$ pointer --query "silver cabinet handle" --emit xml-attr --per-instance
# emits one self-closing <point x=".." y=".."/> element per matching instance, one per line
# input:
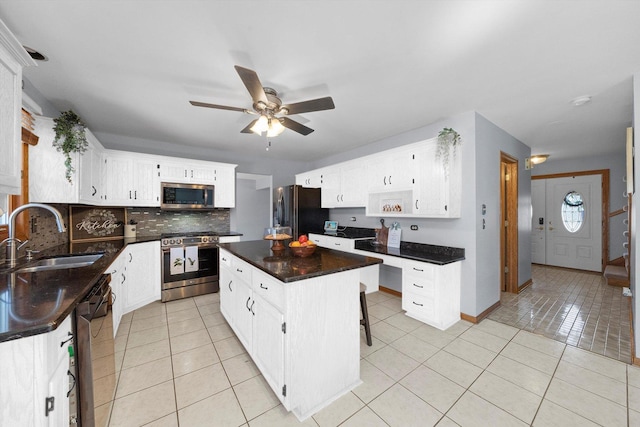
<point x="230" y="282"/>
<point x="421" y="305"/>
<point x="263" y="286"/>
<point x="239" y="270"/>
<point x="417" y="269"/>
<point x="246" y="304"/>
<point x="418" y="286"/>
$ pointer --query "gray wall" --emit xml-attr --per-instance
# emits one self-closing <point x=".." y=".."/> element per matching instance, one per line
<point x="617" y="188"/>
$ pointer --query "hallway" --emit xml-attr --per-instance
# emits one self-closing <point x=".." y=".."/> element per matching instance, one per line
<point x="574" y="307"/>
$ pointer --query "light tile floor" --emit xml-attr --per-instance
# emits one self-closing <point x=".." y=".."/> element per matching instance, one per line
<point x="181" y="365"/>
<point x="574" y="307"/>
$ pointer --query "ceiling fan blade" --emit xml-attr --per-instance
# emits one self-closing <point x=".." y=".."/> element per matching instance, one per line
<point x="252" y="82"/>
<point x="219" y="107"/>
<point x="319" y="104"/>
<point x="248" y="128"/>
<point x="295" y="126"/>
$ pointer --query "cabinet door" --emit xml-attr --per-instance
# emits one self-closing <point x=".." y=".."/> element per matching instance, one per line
<point x="331" y="190"/>
<point x="353" y="185"/>
<point x="145" y="189"/>
<point x="142" y="277"/>
<point x="310" y="179"/>
<point x="430" y="188"/>
<point x="10" y="111"/>
<point x="228" y="292"/>
<point x="58" y="388"/>
<point x="244" y="312"/>
<point x="118" y="175"/>
<point x="171" y="172"/>
<point x="201" y="174"/>
<point x="268" y="342"/>
<point x="225" y="187"/>
<point x="89" y="175"/>
<point x="116" y="270"/>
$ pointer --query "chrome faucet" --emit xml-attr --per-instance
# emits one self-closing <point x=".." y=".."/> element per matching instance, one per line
<point x="12" y="248"/>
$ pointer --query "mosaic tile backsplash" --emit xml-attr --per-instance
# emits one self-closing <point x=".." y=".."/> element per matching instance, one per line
<point x="150" y="222"/>
<point x="154" y="221"/>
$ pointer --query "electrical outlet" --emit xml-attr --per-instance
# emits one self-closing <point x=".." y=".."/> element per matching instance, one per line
<point x="353" y="218"/>
<point x="414" y="227"/>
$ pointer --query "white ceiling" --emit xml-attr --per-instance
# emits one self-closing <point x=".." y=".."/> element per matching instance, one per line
<point x="130" y="68"/>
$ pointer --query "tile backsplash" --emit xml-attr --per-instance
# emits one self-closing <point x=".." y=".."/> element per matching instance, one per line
<point x="154" y="221"/>
<point x="150" y="222"/>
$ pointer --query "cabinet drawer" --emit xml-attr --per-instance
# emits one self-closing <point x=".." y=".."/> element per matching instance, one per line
<point x="241" y="269"/>
<point x="418" y="285"/>
<point x="419" y="305"/>
<point x="55" y="351"/>
<point x="269" y="289"/>
<point x="423" y="269"/>
<point x="225" y="259"/>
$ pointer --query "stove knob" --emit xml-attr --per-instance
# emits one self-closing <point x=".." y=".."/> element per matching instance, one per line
<point x="164" y="242"/>
<point x="179" y="241"/>
<point x="172" y="241"/>
<point x="205" y="239"/>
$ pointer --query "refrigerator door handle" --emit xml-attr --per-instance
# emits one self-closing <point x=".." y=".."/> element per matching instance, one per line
<point x="280" y="209"/>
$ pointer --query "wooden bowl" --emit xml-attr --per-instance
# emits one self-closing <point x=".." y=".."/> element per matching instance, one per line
<point x="302" y="251"/>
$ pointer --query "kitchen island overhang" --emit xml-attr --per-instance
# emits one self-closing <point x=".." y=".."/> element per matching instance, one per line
<point x="298" y="318"/>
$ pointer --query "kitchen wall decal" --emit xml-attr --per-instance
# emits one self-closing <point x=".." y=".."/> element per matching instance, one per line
<point x="96" y="223"/>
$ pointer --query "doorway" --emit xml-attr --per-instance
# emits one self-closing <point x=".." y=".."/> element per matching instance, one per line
<point x="509" y="223"/>
<point x="569" y="221"/>
<point x="253" y="206"/>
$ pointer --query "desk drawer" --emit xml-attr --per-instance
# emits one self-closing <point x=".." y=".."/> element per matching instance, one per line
<point x="225" y="258"/>
<point x="419" y="305"/>
<point x="422" y="269"/>
<point x="241" y="269"/>
<point x="418" y="285"/>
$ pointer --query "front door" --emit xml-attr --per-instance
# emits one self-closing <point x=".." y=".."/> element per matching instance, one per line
<point x="538" y="221"/>
<point x="573" y="221"/>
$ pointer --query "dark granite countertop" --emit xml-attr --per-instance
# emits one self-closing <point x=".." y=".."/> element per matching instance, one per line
<point x="433" y="254"/>
<point x="288" y="268"/>
<point x="353" y="233"/>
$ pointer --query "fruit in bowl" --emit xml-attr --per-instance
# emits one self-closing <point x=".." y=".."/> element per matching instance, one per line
<point x="302" y="247"/>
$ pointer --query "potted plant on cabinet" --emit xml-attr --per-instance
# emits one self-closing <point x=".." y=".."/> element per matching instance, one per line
<point x="448" y="140"/>
<point x="70" y="137"/>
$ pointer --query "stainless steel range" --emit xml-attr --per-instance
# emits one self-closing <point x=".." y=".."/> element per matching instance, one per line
<point x="189" y="265"/>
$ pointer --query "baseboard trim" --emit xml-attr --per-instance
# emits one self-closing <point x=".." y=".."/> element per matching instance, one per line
<point x="478" y="318"/>
<point x="525" y="285"/>
<point x="390" y="291"/>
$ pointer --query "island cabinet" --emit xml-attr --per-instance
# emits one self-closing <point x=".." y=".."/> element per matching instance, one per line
<point x="431" y="293"/>
<point x="303" y="335"/>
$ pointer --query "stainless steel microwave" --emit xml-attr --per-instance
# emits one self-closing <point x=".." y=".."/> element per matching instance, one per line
<point x="186" y="196"/>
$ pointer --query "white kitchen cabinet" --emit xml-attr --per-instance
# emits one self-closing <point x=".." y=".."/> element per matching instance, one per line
<point x="188" y="171"/>
<point x="292" y="337"/>
<point x="141" y="284"/>
<point x="391" y="170"/>
<point x="310" y="179"/>
<point x="436" y="191"/>
<point x="92" y="191"/>
<point x="344" y="185"/>
<point x="431" y="293"/>
<point x="117" y="272"/>
<point x="36" y="368"/>
<point x="12" y="58"/>
<point x="224" y="179"/>
<point x="131" y="179"/>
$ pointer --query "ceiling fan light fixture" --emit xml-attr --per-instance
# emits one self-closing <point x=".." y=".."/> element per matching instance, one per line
<point x="261" y="125"/>
<point x="275" y="127"/>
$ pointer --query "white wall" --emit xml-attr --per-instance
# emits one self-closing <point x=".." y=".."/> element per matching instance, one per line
<point x="253" y="206"/>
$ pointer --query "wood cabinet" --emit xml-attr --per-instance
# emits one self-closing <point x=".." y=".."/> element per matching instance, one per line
<point x="431" y="293"/>
<point x="12" y="58"/>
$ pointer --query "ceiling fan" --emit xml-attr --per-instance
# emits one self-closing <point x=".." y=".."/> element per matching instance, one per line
<point x="267" y="105"/>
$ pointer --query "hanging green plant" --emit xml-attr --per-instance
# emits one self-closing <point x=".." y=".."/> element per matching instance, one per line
<point x="70" y="138"/>
<point x="448" y="140"/>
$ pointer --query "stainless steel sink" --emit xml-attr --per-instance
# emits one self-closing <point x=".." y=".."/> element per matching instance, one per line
<point x="56" y="263"/>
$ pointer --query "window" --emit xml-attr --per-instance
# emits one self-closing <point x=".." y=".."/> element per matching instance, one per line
<point x="4" y="208"/>
<point x="572" y="211"/>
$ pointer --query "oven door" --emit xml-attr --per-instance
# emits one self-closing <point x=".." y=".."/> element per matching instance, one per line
<point x="207" y="269"/>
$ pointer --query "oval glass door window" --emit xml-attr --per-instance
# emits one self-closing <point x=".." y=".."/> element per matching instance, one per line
<point x="573" y="211"/>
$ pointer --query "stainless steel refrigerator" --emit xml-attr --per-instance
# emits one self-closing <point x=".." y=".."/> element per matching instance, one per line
<point x="299" y="208"/>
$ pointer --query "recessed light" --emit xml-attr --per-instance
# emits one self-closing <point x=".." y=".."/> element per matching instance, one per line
<point x="37" y="56"/>
<point x="581" y="100"/>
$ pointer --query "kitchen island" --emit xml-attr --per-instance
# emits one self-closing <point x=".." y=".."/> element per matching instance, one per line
<point x="298" y="318"/>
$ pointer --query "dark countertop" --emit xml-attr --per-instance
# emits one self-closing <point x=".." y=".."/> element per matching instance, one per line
<point x="288" y="268"/>
<point x="433" y="254"/>
<point x="353" y="233"/>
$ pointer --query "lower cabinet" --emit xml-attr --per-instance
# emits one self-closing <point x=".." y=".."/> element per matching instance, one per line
<point x="34" y="376"/>
<point x="431" y="293"/>
<point x="303" y="336"/>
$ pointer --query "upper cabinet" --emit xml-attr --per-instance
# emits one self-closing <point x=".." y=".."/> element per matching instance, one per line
<point x="408" y="181"/>
<point x="12" y="58"/>
<point x="131" y="179"/>
<point x="221" y="175"/>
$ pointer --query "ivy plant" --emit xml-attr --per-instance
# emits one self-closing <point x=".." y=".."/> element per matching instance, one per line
<point x="70" y="138"/>
<point x="448" y="140"/>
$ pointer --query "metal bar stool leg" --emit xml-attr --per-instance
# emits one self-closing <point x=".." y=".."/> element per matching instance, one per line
<point x="365" y="314"/>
